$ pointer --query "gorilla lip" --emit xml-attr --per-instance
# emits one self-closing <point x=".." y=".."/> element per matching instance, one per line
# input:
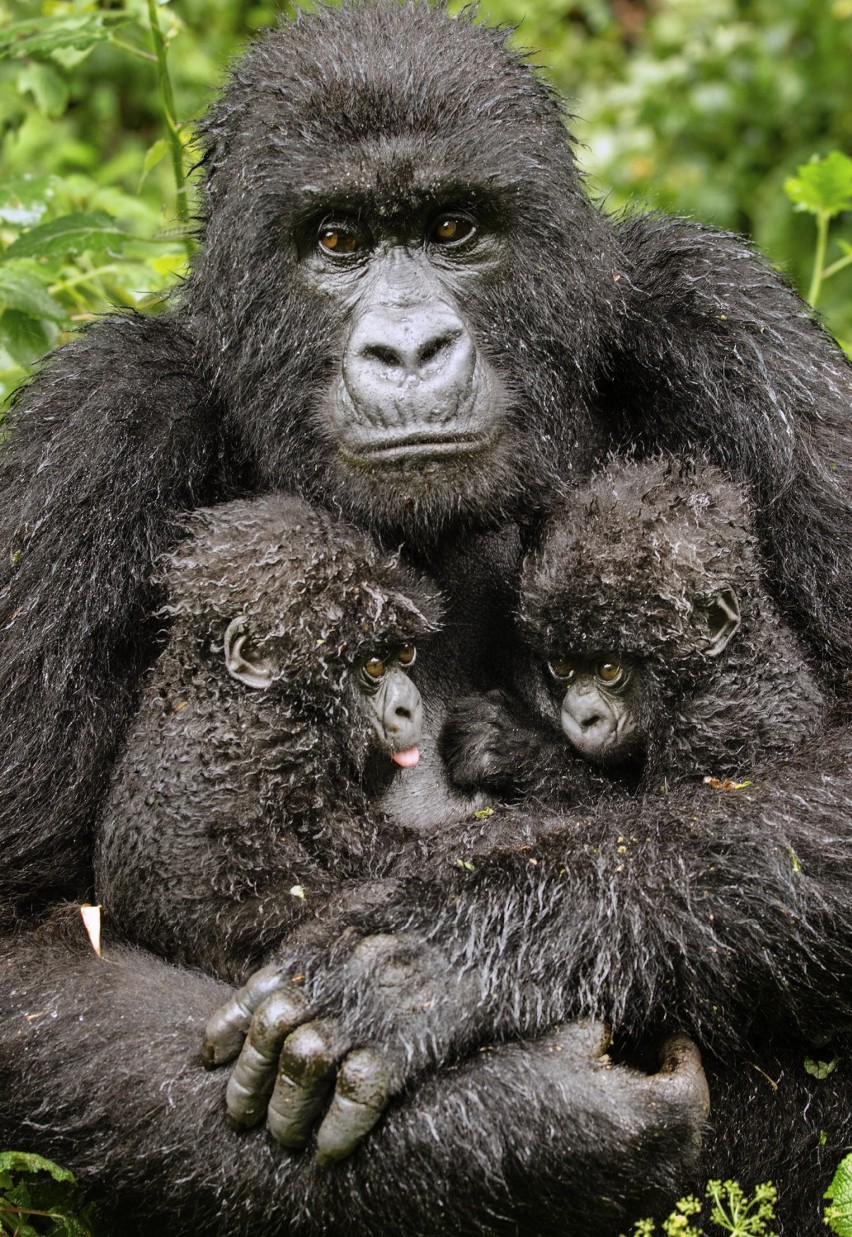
<point x="406" y="759"/>
<point x="417" y="446"/>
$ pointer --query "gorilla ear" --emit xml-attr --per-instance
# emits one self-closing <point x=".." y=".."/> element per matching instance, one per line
<point x="723" y="619"/>
<point x="241" y="663"/>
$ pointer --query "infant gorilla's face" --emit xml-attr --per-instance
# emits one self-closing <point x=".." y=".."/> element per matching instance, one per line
<point x="392" y="702"/>
<point x="599" y="698"/>
<point x="384" y="694"/>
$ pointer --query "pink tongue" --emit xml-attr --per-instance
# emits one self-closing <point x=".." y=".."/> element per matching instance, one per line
<point x="407" y="759"/>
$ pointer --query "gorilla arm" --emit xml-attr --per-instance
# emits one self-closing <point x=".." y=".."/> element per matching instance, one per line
<point x="104" y="447"/>
<point x="100" y="1064"/>
<point x="715" y="911"/>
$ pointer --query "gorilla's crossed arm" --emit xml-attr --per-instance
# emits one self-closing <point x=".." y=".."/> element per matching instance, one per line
<point x="713" y="911"/>
<point x="406" y="310"/>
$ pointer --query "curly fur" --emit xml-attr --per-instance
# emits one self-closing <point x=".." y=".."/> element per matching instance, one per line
<point x="648" y="330"/>
<point x="226" y="798"/>
<point x="629" y="565"/>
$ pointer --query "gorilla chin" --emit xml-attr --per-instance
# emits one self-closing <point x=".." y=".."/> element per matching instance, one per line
<point x="421" y="488"/>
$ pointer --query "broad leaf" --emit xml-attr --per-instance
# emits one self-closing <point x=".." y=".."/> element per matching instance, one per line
<point x="822" y="187"/>
<point x="24" y="338"/>
<point x="27" y="1162"/>
<point x="22" y="291"/>
<point x="42" y="35"/>
<point x="839" y="1217"/>
<point x="69" y="234"/>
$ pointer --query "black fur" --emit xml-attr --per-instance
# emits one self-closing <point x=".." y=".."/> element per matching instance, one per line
<point x="630" y="567"/>
<point x="227" y="798"/>
<point x="730" y="912"/>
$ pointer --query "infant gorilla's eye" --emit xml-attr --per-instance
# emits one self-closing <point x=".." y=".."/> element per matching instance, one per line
<point x="374" y="668"/>
<point x="340" y="240"/>
<point x="451" y="229"/>
<point x="407" y="655"/>
<point x="562" y="670"/>
<point x="609" y="672"/>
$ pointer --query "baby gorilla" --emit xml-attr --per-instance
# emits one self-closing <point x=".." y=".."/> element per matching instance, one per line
<point x="243" y="797"/>
<point x="650" y="644"/>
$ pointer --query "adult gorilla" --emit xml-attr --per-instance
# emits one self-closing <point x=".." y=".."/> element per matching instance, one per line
<point x="406" y="309"/>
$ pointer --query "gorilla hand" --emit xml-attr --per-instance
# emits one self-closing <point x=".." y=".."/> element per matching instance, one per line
<point x="294" y="1055"/>
<point x="483" y="746"/>
<point x="291" y="1055"/>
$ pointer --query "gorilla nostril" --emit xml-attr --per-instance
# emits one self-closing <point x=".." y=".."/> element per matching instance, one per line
<point x="431" y="349"/>
<point x="384" y="354"/>
<point x="403" y="713"/>
<point x="589" y="722"/>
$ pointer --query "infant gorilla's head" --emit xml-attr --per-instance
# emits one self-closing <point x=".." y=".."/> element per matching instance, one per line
<point x="272" y="597"/>
<point x="638" y="584"/>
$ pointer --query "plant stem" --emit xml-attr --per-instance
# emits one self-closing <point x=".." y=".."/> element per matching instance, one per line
<point x="819" y="257"/>
<point x="131" y="50"/>
<point x="846" y="260"/>
<point x="84" y="277"/>
<point x="175" y="143"/>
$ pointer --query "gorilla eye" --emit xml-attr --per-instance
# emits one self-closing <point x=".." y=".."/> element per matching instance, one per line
<point x="339" y="240"/>
<point x="609" y="672"/>
<point x="374" y="668"/>
<point x="451" y="229"/>
<point x="562" y="670"/>
<point x="407" y="655"/>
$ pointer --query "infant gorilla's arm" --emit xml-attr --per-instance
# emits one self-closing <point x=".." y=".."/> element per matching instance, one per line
<point x="292" y="1058"/>
<point x="490" y="742"/>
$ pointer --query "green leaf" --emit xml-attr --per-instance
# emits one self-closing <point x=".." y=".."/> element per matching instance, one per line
<point x="820" y="1069"/>
<point x="47" y="86"/>
<point x="13" y="110"/>
<point x="23" y="337"/>
<point x="839" y="1193"/>
<point x="69" y="234"/>
<point x="22" y="291"/>
<point x="153" y="156"/>
<point x="26" y="1162"/>
<point x="24" y="199"/>
<point x="40" y="36"/>
<point x="823" y="186"/>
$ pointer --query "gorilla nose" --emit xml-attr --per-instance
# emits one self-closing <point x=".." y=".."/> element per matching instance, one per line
<point x="585" y="724"/>
<point x="409" y="355"/>
<point x="401" y="716"/>
<point x="425" y="352"/>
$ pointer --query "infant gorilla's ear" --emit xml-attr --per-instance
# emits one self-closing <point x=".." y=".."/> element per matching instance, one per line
<point x="241" y="657"/>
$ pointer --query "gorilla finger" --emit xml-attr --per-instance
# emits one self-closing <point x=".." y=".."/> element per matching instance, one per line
<point x="681" y="1073"/>
<point x="586" y="1039"/>
<point x="305" y="1074"/>
<point x="226" y="1028"/>
<point x="360" y="1097"/>
<point x="253" y="1076"/>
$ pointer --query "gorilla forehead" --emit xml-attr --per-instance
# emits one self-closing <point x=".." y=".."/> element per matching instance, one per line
<point x="378" y="75"/>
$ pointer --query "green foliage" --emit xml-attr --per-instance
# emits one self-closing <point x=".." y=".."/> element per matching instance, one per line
<point x="820" y="1069"/>
<point x="823" y="188"/>
<point x="40" y="1199"/>
<point x="731" y="1211"/>
<point x="838" y="1215"/>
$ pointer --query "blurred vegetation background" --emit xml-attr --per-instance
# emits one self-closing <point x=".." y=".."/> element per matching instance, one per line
<point x="738" y="113"/>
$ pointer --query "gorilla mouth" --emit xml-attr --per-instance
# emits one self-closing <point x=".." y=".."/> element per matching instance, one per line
<point x="420" y="446"/>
